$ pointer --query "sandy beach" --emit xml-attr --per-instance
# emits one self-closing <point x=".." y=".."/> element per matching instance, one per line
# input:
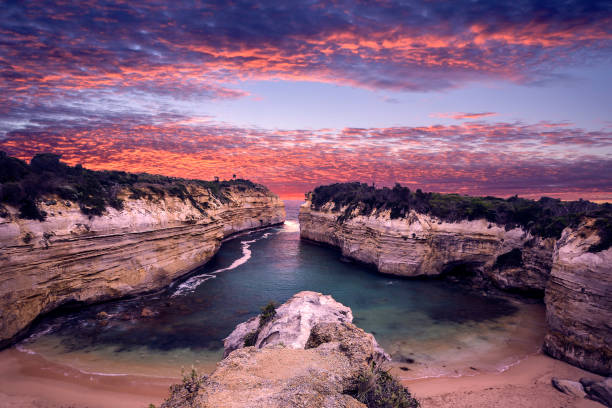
<point x="524" y="385"/>
<point x="28" y="380"/>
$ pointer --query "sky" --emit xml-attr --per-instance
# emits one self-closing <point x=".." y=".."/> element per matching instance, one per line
<point x="464" y="96"/>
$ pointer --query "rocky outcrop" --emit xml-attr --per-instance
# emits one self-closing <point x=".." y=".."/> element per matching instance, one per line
<point x="293" y="322"/>
<point x="577" y="282"/>
<point x="579" y="303"/>
<point x="323" y="363"/>
<point x="72" y="258"/>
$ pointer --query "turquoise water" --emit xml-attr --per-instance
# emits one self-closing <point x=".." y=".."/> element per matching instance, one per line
<point x="430" y="328"/>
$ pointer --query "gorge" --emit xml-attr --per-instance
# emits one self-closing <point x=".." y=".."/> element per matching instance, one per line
<point x="570" y="266"/>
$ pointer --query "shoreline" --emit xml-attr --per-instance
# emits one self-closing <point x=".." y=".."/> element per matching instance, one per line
<point x="524" y="384"/>
<point x="29" y="380"/>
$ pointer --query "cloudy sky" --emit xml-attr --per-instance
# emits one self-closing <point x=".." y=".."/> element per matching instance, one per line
<point x="453" y="96"/>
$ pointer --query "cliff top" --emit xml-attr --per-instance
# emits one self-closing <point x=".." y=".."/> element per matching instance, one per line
<point x="22" y="185"/>
<point x="546" y="217"/>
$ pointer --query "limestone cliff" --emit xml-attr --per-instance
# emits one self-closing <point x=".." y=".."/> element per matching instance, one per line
<point x="309" y="354"/>
<point x="579" y="302"/>
<point x="72" y="257"/>
<point x="419" y="244"/>
<point x="578" y="291"/>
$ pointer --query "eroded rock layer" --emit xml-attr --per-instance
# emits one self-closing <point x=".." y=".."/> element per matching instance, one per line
<point x="577" y="283"/>
<point x="71" y="257"/>
<point x="579" y="303"/>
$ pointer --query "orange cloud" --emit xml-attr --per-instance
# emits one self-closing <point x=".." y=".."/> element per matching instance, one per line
<point x="476" y="158"/>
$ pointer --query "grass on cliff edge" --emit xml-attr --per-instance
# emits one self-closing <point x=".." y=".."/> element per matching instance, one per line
<point x="546" y="217"/>
<point x="24" y="185"/>
<point x="377" y="388"/>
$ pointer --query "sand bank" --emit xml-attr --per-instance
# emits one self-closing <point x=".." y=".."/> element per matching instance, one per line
<point x="524" y="385"/>
<point x="28" y="380"/>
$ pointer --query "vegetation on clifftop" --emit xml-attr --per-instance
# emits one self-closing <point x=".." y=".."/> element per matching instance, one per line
<point x="546" y="217"/>
<point x="24" y="185"/>
<point x="377" y="388"/>
<point x="267" y="313"/>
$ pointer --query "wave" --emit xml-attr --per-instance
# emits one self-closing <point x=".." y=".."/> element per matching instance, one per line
<point x="291" y="226"/>
<point x="192" y="283"/>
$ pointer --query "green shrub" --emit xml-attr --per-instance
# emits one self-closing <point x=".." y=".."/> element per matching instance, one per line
<point x="377" y="388"/>
<point x="191" y="384"/>
<point x="251" y="338"/>
<point x="22" y="185"/>
<point x="546" y="217"/>
<point x="267" y="313"/>
<point x="29" y="210"/>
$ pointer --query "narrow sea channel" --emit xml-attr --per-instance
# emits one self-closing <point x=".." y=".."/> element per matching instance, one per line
<point x="430" y="328"/>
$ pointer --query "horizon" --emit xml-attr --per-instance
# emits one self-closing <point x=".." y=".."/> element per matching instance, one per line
<point x="301" y="196"/>
<point x="473" y="98"/>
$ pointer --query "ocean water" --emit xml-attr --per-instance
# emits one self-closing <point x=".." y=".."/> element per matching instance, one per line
<point x="430" y="328"/>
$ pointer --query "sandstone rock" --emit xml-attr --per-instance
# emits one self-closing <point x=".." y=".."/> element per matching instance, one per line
<point x="421" y="245"/>
<point x="102" y="315"/>
<point x="579" y="302"/>
<point x="293" y="324"/>
<point x="317" y="367"/>
<point x="569" y="387"/>
<point x="275" y="378"/>
<point x="146" y="312"/>
<point x="600" y="391"/>
<point x="141" y="248"/>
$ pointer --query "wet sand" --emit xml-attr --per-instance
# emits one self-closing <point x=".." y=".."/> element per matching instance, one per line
<point x="28" y="380"/>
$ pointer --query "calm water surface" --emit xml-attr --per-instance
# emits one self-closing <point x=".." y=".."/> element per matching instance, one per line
<point x="430" y="328"/>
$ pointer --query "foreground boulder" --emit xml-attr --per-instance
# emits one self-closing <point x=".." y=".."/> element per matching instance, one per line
<point x="600" y="391"/>
<point x="569" y="387"/>
<point x="292" y="323"/>
<point x="326" y="362"/>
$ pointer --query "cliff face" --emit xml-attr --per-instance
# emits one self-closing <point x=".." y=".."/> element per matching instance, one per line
<point x="71" y="257"/>
<point x="419" y="244"/>
<point x="579" y="303"/>
<point x="578" y="290"/>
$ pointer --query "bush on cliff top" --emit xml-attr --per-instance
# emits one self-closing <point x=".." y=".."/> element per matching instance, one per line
<point x="267" y="314"/>
<point x="546" y="217"/>
<point x="23" y="185"/>
<point x="377" y="388"/>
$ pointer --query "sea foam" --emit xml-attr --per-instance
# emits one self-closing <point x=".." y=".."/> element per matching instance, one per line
<point x="192" y="283"/>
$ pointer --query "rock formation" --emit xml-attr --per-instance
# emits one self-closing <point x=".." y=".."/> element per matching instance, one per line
<point x="578" y="290"/>
<point x="600" y="391"/>
<point x="325" y="361"/>
<point x="293" y="322"/>
<point x="579" y="303"/>
<point x="72" y="258"/>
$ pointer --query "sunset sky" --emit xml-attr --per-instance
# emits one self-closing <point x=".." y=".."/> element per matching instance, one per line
<point x="472" y="97"/>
